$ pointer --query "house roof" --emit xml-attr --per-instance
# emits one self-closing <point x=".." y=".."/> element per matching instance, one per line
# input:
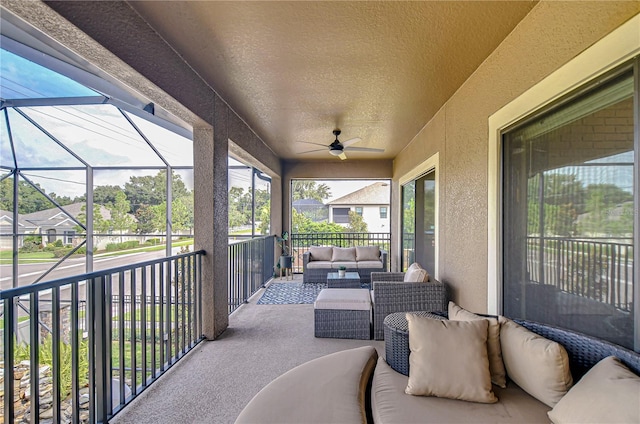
<point x="6" y="218"/>
<point x="374" y="194"/>
<point x="55" y="216"/>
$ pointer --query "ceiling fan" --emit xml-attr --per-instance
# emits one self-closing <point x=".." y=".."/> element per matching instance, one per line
<point x="338" y="148"/>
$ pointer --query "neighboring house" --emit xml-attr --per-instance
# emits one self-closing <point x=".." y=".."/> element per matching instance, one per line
<point x="311" y="208"/>
<point x="6" y="229"/>
<point x="371" y="202"/>
<point x="56" y="224"/>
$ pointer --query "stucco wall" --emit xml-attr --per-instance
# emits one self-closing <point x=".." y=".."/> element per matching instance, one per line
<point x="551" y="35"/>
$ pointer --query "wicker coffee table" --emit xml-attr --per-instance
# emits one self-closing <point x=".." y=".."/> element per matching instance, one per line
<point x="396" y="339"/>
<point x="351" y="280"/>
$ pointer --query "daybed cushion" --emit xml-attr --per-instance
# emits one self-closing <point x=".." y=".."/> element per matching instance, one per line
<point x="329" y="389"/>
<point x="391" y="405"/>
<point x="496" y="366"/>
<point x="367" y="253"/>
<point x="609" y="392"/>
<point x="321" y="253"/>
<point x="344" y="254"/>
<point x="449" y="359"/>
<point x="539" y="366"/>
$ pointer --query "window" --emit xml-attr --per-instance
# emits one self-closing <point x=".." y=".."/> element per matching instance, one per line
<point x="51" y="235"/>
<point x="383" y="212"/>
<point x="68" y="237"/>
<point x="568" y="213"/>
<point x="359" y="210"/>
<point x="341" y="215"/>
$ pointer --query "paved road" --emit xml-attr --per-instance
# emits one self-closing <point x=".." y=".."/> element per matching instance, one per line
<point x="28" y="273"/>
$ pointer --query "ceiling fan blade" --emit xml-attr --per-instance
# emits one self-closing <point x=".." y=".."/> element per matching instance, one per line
<point x="342" y="156"/>
<point x="351" y="141"/>
<point x="315" y="144"/>
<point x="311" y="151"/>
<point x="364" y="149"/>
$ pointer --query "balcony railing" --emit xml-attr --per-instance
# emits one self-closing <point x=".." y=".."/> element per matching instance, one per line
<point x="600" y="270"/>
<point x="250" y="267"/>
<point x="140" y="320"/>
<point x="301" y="242"/>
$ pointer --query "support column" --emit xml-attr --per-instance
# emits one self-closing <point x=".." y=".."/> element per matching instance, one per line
<point x="210" y="218"/>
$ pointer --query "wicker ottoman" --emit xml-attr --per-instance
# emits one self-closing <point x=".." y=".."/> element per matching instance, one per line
<point x="343" y="314"/>
<point x="396" y="339"/>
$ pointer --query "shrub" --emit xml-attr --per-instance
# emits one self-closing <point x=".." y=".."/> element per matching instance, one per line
<point x="60" y="252"/>
<point x="45" y="350"/>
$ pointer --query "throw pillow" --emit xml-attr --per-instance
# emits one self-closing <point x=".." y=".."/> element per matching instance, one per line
<point x="344" y="254"/>
<point x="416" y="275"/>
<point x="367" y="253"/>
<point x="449" y="359"/>
<point x="539" y="366"/>
<point x="321" y="253"/>
<point x="608" y="393"/>
<point x="496" y="366"/>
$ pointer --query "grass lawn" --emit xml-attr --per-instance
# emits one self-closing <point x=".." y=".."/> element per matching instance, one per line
<point x="6" y="256"/>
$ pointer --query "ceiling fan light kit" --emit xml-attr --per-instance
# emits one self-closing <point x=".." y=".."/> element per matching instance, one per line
<point x="338" y="149"/>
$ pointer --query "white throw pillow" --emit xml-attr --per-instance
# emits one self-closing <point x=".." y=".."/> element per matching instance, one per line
<point x="416" y="275"/>
<point x="367" y="253"/>
<point x="449" y="359"/>
<point x="344" y="254"/>
<point x="321" y="253"/>
<point x="496" y="366"/>
<point x="608" y="393"/>
<point x="538" y="365"/>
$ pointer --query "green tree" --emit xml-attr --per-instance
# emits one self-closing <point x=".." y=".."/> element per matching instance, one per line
<point x="239" y="207"/>
<point x="121" y="220"/>
<point x="103" y="195"/>
<point x="146" y="220"/>
<point x="151" y="190"/>
<point x="182" y="213"/>
<point x="300" y="223"/>
<point x="607" y="211"/>
<point x="100" y="224"/>
<point x="306" y="189"/>
<point x="356" y="223"/>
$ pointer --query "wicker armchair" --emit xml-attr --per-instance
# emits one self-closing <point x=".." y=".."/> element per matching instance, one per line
<point x="391" y="294"/>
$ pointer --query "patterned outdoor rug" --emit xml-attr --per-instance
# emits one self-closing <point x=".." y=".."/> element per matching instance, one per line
<point x="291" y="293"/>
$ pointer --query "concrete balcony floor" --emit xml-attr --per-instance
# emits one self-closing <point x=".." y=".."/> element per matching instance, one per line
<point x="218" y="378"/>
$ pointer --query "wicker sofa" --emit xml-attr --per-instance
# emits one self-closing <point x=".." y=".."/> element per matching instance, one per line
<point x="356" y="386"/>
<point x="318" y="261"/>
<point x="390" y="294"/>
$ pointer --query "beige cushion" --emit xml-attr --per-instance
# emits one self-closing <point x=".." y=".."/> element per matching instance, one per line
<point x="321" y="253"/>
<point x="370" y="264"/>
<point x="347" y="265"/>
<point x="390" y="405"/>
<point x="496" y="366"/>
<point x="416" y="275"/>
<point x="414" y="265"/>
<point x="329" y="389"/>
<point x="608" y="393"/>
<point x="344" y="299"/>
<point x="319" y="265"/>
<point x="367" y="253"/>
<point x="449" y="359"/>
<point x="344" y="254"/>
<point x="539" y="366"/>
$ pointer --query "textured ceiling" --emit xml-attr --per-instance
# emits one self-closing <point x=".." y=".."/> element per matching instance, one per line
<point x="297" y="70"/>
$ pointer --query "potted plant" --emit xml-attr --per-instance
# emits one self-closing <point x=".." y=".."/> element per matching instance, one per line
<point x="286" y="260"/>
<point x="342" y="270"/>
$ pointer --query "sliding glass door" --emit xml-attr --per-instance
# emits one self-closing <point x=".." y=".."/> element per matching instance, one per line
<point x="419" y="223"/>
